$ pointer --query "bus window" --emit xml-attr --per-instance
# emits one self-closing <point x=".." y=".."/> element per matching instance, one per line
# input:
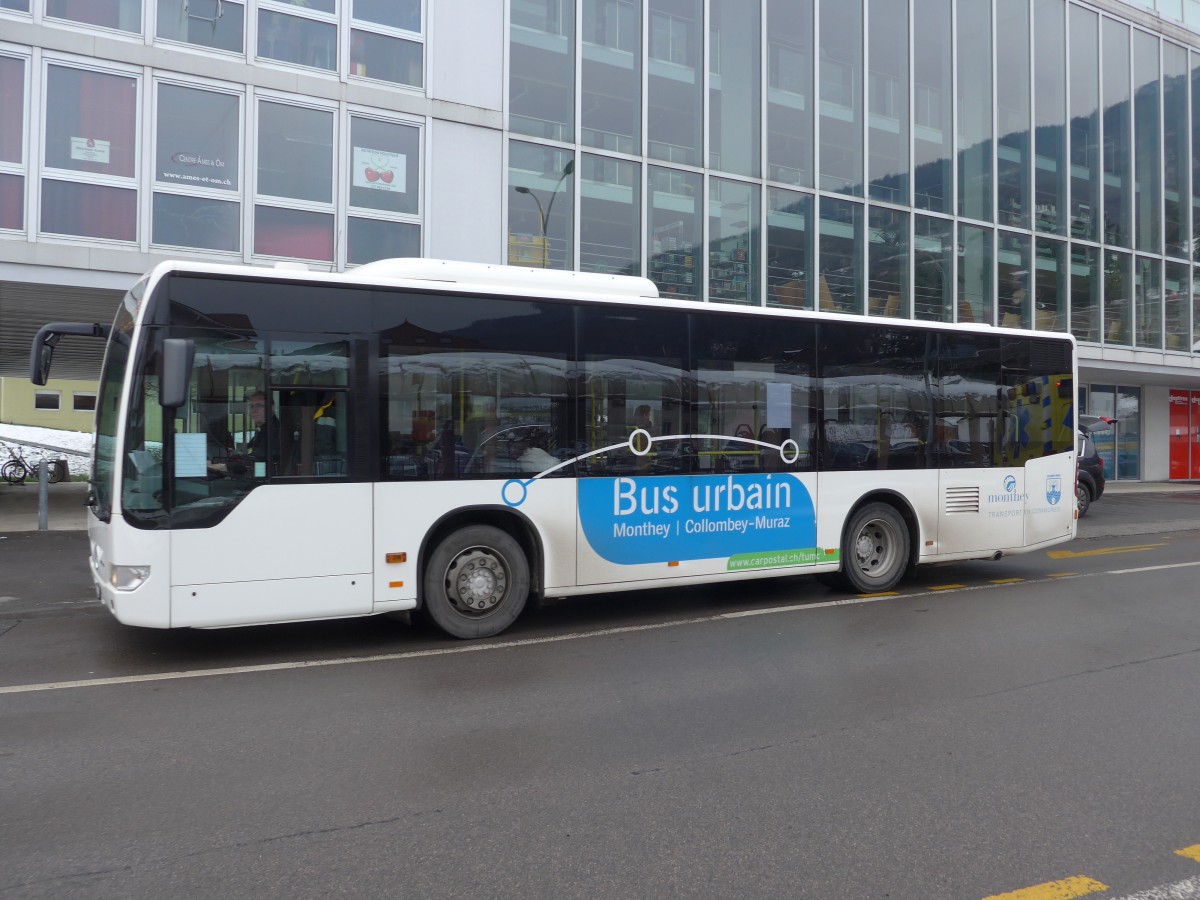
<point x="1036" y="400"/>
<point x="475" y="388"/>
<point x="968" y="429"/>
<point x="313" y="419"/>
<point x="754" y="393"/>
<point x="876" y="395"/>
<point x="206" y="449"/>
<point x="635" y="364"/>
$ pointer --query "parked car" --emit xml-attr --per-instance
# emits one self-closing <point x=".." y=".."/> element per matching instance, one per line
<point x="1089" y="473"/>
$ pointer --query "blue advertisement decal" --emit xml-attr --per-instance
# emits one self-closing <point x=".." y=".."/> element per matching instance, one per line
<point x="762" y="519"/>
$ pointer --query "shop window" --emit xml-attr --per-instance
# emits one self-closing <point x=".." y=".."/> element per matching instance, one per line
<point x="385" y="166"/>
<point x="89" y="188"/>
<point x="197" y="144"/>
<point x="91" y="122"/>
<point x="121" y="15"/>
<point x="217" y="24"/>
<point x="197" y="149"/>
<point x="46" y="400"/>
<point x="15" y="5"/>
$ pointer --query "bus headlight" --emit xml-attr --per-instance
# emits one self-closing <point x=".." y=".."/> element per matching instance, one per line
<point x="128" y="578"/>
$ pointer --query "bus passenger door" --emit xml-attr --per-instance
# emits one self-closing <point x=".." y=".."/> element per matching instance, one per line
<point x="266" y="524"/>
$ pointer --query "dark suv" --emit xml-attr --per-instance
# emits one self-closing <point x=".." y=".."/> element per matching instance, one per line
<point x="1089" y="473"/>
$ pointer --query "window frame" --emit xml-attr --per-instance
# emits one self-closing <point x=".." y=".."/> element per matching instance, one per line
<point x="49" y="173"/>
<point x="255" y="200"/>
<point x="20" y="167"/>
<point x="159" y="187"/>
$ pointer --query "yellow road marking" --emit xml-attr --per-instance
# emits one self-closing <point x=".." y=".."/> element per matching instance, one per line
<point x="1192" y="852"/>
<point x="1063" y="575"/>
<point x="946" y="587"/>
<point x="1076" y="886"/>
<point x="1007" y="580"/>
<point x="882" y="594"/>
<point x="1078" y="554"/>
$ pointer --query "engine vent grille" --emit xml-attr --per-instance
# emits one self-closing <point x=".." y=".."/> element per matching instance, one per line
<point x="961" y="500"/>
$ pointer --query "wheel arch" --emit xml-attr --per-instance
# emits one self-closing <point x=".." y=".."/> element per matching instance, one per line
<point x="513" y="523"/>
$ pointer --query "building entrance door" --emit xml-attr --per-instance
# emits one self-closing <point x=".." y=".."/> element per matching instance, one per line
<point x="1184" y="422"/>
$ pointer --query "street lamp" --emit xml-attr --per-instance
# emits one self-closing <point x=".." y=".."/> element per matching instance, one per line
<point x="544" y="215"/>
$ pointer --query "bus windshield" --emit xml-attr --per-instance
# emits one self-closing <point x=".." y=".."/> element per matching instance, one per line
<point x="108" y="403"/>
<point x="236" y="429"/>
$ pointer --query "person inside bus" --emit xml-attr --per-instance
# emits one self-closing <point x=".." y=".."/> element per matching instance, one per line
<point x="265" y="439"/>
<point x="642" y="418"/>
<point x="530" y="456"/>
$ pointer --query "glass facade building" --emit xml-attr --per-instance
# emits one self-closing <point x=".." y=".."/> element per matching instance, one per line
<point x="1017" y="163"/>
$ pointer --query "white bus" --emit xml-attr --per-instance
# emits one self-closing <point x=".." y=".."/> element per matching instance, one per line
<point x="275" y="445"/>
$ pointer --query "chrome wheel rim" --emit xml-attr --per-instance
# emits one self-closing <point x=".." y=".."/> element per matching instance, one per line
<point x="477" y="581"/>
<point x="875" y="548"/>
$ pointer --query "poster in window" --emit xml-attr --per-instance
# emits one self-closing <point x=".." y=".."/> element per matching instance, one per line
<point x="90" y="150"/>
<point x="379" y="170"/>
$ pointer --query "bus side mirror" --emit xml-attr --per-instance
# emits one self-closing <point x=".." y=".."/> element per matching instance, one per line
<point x="40" y="373"/>
<point x="46" y="340"/>
<point x="178" y="355"/>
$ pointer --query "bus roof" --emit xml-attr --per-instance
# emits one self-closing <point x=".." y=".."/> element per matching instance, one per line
<point x="508" y="277"/>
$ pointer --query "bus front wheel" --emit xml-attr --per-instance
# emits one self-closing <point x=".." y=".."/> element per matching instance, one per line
<point x="875" y="553"/>
<point x="476" y="583"/>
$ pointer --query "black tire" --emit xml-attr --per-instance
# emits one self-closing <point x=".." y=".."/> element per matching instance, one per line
<point x="1083" y="498"/>
<point x="476" y="582"/>
<point x="58" y="471"/>
<point x="14" y="472"/>
<point x="875" y="551"/>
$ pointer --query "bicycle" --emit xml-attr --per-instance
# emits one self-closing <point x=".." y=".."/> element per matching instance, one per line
<point x="17" y="470"/>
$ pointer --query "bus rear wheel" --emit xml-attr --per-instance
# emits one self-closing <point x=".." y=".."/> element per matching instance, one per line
<point x="476" y="583"/>
<point x="875" y="553"/>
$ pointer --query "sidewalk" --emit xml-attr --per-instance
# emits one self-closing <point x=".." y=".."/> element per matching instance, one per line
<point x="66" y="510"/>
<point x="1151" y="487"/>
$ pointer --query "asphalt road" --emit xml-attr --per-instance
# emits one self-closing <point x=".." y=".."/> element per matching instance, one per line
<point x="997" y="726"/>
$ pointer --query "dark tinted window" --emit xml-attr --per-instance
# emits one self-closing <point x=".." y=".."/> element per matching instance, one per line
<point x="474" y="387"/>
<point x="876" y="395"/>
<point x="754" y="393"/>
<point x="967" y="430"/>
<point x="1036" y="399"/>
<point x="267" y="306"/>
<point x="635" y="378"/>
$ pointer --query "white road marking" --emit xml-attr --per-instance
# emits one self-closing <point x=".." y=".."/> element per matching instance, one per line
<point x="1180" y="890"/>
<point x="525" y="642"/>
